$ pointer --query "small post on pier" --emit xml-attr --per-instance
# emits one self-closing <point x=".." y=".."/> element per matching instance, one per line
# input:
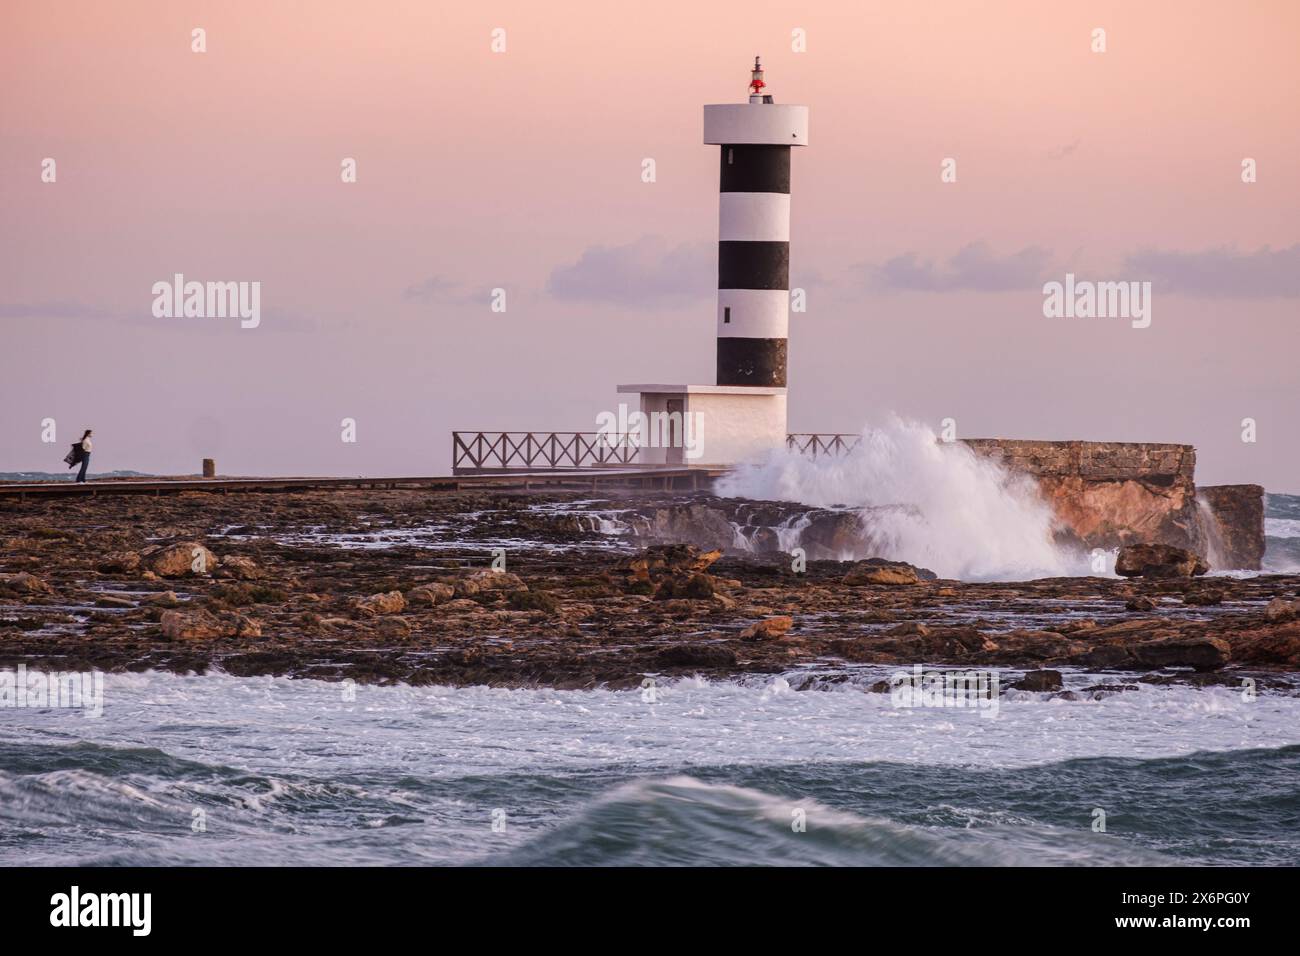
<point x="209" y="468"/>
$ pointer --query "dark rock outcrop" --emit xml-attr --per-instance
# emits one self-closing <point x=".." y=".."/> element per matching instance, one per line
<point x="1158" y="561"/>
<point x="1040" y="681"/>
<point x="1199" y="653"/>
<point x="696" y="655"/>
<point x="1233" y="525"/>
<point x="880" y="571"/>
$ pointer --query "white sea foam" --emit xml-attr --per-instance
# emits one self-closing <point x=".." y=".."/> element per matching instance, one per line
<point x="1282" y="527"/>
<point x="267" y="724"/>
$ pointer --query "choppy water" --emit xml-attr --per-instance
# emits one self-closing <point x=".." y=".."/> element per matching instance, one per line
<point x="1282" y="533"/>
<point x="290" y="772"/>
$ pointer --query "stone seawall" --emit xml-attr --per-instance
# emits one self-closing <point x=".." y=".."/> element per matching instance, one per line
<point x="1109" y="494"/>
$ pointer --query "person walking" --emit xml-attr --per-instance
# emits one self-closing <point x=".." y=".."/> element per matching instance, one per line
<point x="84" y="457"/>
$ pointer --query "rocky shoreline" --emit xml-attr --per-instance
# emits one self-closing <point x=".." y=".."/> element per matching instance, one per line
<point x="388" y="586"/>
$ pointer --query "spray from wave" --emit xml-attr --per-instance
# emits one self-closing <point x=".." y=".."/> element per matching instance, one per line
<point x="931" y="503"/>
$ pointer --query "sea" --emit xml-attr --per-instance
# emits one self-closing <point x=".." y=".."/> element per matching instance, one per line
<point x="224" y="770"/>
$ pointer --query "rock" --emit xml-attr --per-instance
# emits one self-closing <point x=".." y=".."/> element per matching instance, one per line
<point x="108" y="600"/>
<point x="695" y="587"/>
<point x="1158" y="561"/>
<point x="1078" y="625"/>
<point x="245" y="569"/>
<point x="23" y="583"/>
<point x="908" y="628"/>
<point x="489" y="580"/>
<point x="165" y="599"/>
<point x="394" y="628"/>
<point x="179" y="560"/>
<point x="1140" y="603"/>
<point x="390" y="602"/>
<point x="1233" y="524"/>
<point x="1040" y="681"/>
<point x="769" y="629"/>
<point x="1273" y="645"/>
<point x="198" y="625"/>
<point x="543" y="601"/>
<point x="1206" y="598"/>
<point x="1107" y="494"/>
<point x="1199" y="653"/>
<point x="246" y="626"/>
<point x="1106" y="657"/>
<point x="1279" y="610"/>
<point x="119" y="562"/>
<point x="242" y="595"/>
<point x="668" y="560"/>
<point x="461" y="606"/>
<point x="696" y="655"/>
<point x="1137" y="627"/>
<point x="195" y="626"/>
<point x="879" y="571"/>
<point x="832" y="534"/>
<point x="695" y="524"/>
<point x="431" y="594"/>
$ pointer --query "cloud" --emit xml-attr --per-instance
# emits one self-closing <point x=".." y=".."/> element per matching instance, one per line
<point x="645" y="273"/>
<point x="810" y="279"/>
<point x="1221" y="272"/>
<point x="272" y="319"/>
<point x="973" y="268"/>
<point x="1060" y="152"/>
<point x="444" y="291"/>
<point x="56" y="310"/>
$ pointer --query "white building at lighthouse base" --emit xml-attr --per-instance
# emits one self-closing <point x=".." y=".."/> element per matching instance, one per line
<point x="727" y="423"/>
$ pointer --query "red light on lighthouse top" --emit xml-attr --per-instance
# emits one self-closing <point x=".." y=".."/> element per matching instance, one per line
<point x="756" y="84"/>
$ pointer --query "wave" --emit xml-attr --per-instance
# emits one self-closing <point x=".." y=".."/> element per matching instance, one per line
<point x="931" y="503"/>
<point x="684" y="821"/>
<point x="1092" y="812"/>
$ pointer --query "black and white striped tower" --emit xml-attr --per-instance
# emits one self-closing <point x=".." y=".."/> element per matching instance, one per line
<point x="754" y="232"/>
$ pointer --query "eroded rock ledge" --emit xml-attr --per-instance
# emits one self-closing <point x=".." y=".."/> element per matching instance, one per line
<point x="104" y="582"/>
<point x="1109" y="494"/>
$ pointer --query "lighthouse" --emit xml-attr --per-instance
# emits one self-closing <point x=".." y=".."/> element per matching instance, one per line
<point x="754" y="232"/>
<point x="743" y="413"/>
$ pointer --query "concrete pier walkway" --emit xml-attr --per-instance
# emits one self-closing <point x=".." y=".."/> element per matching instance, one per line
<point x="673" y="478"/>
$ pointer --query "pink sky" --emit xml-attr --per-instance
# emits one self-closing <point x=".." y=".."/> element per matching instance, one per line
<point x="480" y="170"/>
